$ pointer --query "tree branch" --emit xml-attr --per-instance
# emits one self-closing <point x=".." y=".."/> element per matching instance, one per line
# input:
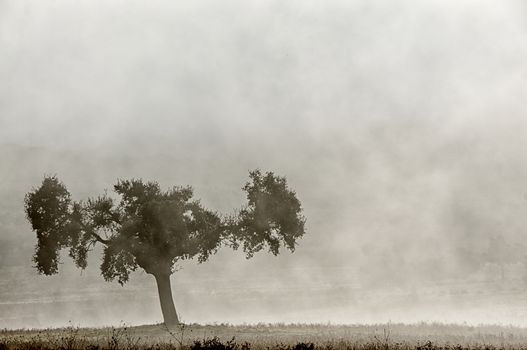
<point x="99" y="238"/>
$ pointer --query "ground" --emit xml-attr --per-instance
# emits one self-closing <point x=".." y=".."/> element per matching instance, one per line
<point x="271" y="336"/>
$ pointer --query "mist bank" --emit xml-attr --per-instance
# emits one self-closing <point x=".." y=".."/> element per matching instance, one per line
<point x="395" y="227"/>
<point x="399" y="125"/>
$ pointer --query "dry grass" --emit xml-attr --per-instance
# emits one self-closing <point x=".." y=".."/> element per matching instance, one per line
<point x="271" y="337"/>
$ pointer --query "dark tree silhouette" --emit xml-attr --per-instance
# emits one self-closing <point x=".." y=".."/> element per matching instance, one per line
<point x="145" y="227"/>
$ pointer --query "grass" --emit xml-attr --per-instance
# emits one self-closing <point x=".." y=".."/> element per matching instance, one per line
<point x="272" y="337"/>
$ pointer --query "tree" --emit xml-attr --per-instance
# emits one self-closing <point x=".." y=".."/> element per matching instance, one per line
<point x="145" y="227"/>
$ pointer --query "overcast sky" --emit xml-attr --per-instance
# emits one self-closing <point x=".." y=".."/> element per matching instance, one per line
<point x="405" y="101"/>
<point x="101" y="74"/>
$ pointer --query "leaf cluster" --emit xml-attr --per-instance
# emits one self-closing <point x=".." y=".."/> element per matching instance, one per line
<point x="273" y="216"/>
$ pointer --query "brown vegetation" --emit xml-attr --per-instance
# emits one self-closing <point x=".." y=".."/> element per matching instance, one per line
<point x="272" y="337"/>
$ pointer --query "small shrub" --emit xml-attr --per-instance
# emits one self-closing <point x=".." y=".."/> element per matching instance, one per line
<point x="304" y="346"/>
<point x="213" y="344"/>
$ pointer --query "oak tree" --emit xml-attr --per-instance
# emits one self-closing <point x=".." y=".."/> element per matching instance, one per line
<point x="143" y="226"/>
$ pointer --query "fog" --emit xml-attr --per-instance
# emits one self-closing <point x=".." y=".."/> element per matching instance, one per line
<point x="399" y="124"/>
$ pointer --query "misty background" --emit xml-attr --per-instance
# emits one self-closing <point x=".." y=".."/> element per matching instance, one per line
<point x="400" y="124"/>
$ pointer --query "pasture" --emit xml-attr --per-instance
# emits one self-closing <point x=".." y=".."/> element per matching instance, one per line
<point x="271" y="336"/>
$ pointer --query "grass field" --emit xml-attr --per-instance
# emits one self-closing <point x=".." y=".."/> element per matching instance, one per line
<point x="271" y="336"/>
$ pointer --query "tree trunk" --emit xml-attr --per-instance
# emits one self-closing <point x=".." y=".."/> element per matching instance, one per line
<point x="165" y="297"/>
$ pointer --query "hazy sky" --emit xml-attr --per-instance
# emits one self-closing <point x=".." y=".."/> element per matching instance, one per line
<point x="368" y="74"/>
<point x="400" y="123"/>
<point x="417" y="104"/>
